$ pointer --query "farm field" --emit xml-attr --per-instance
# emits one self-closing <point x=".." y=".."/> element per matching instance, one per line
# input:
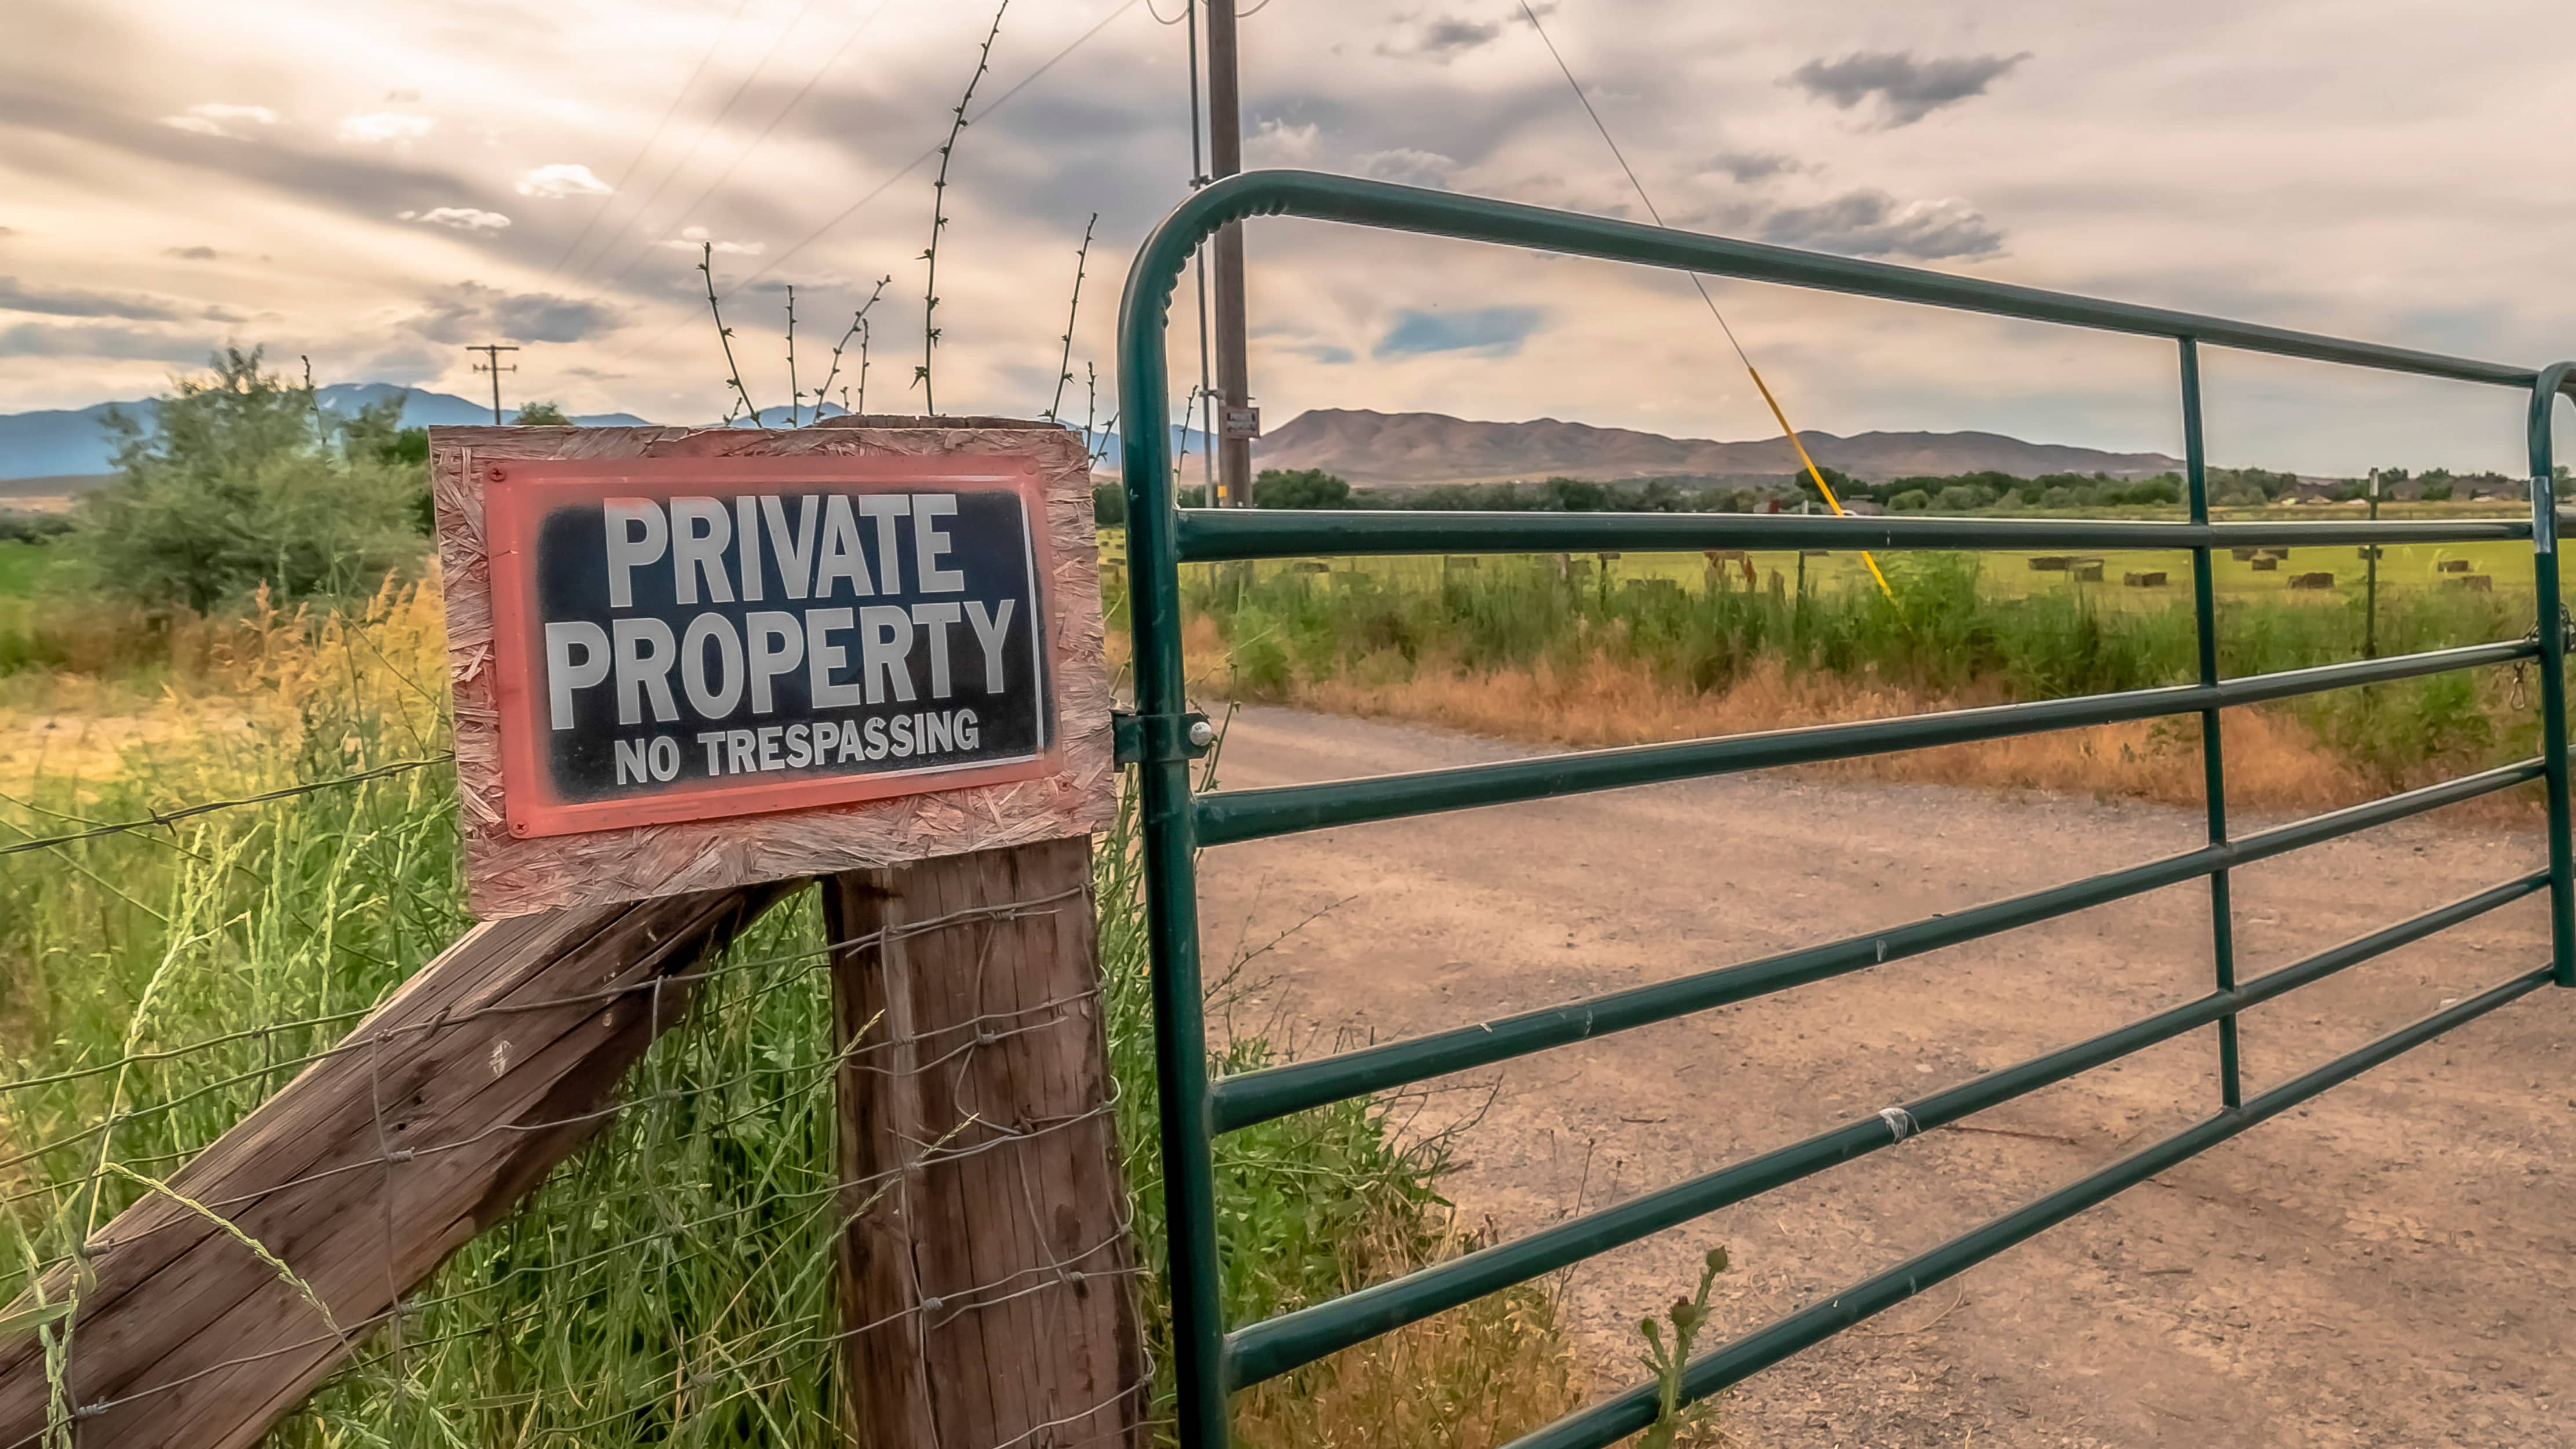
<point x="2402" y="567"/>
<point x="2380" y="1268"/>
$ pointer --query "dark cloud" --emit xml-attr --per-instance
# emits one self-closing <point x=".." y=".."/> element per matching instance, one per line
<point x="191" y="254"/>
<point x="74" y="302"/>
<point x="1484" y="331"/>
<point x="1752" y="166"/>
<point x="1875" y="224"/>
<point x="471" y="312"/>
<point x="1441" y="38"/>
<point x="116" y="341"/>
<point x="1908" y="89"/>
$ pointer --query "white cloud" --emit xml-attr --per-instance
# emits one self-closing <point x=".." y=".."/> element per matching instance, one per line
<point x="216" y="118"/>
<point x="457" y="218"/>
<point x="693" y="238"/>
<point x="561" y="179"/>
<point x="1276" y="143"/>
<point x="376" y="127"/>
<point x="1407" y="165"/>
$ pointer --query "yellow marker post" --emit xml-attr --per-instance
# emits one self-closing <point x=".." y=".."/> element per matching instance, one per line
<point x="1814" y="473"/>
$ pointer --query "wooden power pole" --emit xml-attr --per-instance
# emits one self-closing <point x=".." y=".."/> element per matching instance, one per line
<point x="1237" y="421"/>
<point x="491" y="363"/>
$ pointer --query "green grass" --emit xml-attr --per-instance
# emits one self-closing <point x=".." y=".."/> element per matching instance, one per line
<point x="673" y="1283"/>
<point x="25" y="568"/>
<point x="1945" y="633"/>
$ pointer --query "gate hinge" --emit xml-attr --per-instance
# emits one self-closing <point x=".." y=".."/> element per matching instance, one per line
<point x="1143" y="737"/>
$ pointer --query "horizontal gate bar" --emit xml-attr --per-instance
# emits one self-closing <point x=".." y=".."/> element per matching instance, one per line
<point x="1273" y="1347"/>
<point x="1242" y="1100"/>
<point x="1207" y="535"/>
<point x="1609" y="1422"/>
<point x="1391" y="207"/>
<point x="1233" y="815"/>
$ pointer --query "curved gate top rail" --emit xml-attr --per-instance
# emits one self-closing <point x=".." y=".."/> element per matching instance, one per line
<point x="1213" y="1358"/>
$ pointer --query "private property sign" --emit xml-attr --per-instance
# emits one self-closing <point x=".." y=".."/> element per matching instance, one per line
<point x="834" y="647"/>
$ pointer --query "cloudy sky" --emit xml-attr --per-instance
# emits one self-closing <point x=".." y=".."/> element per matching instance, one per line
<point x="379" y="185"/>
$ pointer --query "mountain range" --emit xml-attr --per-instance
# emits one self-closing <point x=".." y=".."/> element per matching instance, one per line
<point x="1369" y="448"/>
<point x="1377" y="449"/>
<point x="71" y="441"/>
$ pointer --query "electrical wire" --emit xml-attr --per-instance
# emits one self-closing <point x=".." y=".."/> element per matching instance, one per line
<point x="1813" y="472"/>
<point x="906" y="169"/>
<point x="618" y="186"/>
<point x="744" y="154"/>
<point x="704" y="132"/>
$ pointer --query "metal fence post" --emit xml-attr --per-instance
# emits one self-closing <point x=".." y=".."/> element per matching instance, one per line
<point x="2553" y="665"/>
<point x="2213" y="762"/>
<point x="1170" y="850"/>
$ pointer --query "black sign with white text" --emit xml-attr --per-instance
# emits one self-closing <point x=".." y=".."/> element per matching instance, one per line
<point x="731" y="644"/>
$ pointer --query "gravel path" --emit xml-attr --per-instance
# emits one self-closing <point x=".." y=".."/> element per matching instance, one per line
<point x="2390" y="1266"/>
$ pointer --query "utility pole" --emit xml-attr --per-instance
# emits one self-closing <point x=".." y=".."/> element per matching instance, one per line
<point x="492" y="364"/>
<point x="1238" y="422"/>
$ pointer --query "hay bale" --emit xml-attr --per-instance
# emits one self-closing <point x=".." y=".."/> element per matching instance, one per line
<point x="2264" y="564"/>
<point x="2474" y="583"/>
<point x="2146" y="579"/>
<point x="2272" y="553"/>
<point x="2312" y="581"/>
<point x="2088" y="570"/>
<point x="2367" y="551"/>
<point x="2243" y="554"/>
<point x="1310" y="566"/>
<point x="2050" y="563"/>
<point x="2452" y="566"/>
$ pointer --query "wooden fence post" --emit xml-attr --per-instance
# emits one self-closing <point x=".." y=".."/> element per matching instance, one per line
<point x="987" y="1278"/>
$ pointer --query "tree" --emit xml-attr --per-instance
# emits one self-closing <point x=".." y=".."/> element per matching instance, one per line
<point x="244" y="481"/>
<point x="542" y="415"/>
<point x="1912" y="500"/>
<point x="1299" y="488"/>
<point x="1963" y="498"/>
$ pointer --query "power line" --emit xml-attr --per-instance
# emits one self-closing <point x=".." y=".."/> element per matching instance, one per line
<point x="906" y="169"/>
<point x="491" y="363"/>
<point x="1813" y="472"/>
<point x="705" y="131"/>
<point x="617" y="187"/>
<point x="744" y="154"/>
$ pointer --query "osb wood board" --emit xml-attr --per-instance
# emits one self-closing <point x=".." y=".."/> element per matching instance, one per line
<point x="508" y="875"/>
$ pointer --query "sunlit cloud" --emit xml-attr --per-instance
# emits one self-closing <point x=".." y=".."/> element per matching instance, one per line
<point x="217" y="118"/>
<point x="698" y="238"/>
<point x="377" y="127"/>
<point x="561" y="179"/>
<point x="457" y="218"/>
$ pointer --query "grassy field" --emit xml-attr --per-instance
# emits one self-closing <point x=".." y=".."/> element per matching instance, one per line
<point x="673" y="1283"/>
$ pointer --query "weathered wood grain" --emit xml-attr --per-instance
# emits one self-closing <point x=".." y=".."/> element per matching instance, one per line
<point x="509" y="875"/>
<point x="987" y="1275"/>
<point x="481" y="1074"/>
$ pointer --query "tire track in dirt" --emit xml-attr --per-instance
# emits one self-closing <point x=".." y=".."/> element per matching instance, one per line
<point x="2389" y="1266"/>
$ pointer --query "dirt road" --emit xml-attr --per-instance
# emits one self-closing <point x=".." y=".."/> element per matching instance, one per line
<point x="2389" y="1267"/>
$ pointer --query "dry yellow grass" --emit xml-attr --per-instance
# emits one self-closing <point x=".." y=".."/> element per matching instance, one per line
<point x="2274" y="763"/>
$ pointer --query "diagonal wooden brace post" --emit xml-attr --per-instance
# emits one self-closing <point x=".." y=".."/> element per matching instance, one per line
<point x="484" y="1071"/>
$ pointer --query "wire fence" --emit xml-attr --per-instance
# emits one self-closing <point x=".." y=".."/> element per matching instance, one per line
<point x="675" y="1281"/>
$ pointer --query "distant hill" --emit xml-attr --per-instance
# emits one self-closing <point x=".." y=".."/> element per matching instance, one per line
<point x="1393" y="449"/>
<point x="74" y="440"/>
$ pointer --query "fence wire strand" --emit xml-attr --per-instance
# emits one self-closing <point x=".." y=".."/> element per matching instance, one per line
<point x="807" y="1218"/>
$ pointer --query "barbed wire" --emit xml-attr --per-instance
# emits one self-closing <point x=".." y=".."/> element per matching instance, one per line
<point x="764" y="1086"/>
<point x="164" y="819"/>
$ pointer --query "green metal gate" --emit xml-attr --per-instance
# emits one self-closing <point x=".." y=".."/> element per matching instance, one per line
<point x="1214" y="1358"/>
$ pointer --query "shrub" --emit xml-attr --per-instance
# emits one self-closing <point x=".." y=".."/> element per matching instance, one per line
<point x="1299" y="488"/>
<point x="245" y="482"/>
<point x="1912" y="500"/>
<point x="1964" y="498"/>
